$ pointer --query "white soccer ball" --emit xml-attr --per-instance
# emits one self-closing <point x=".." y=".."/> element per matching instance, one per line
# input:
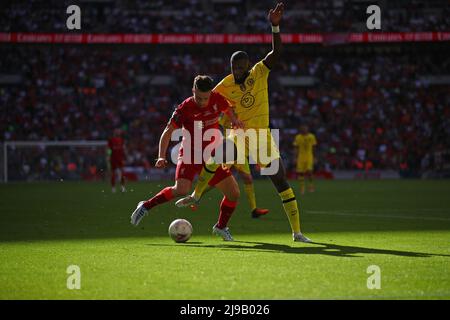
<point x="180" y="230"/>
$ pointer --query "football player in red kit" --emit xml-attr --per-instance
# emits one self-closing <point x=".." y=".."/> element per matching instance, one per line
<point x="199" y="112"/>
<point x="116" y="153"/>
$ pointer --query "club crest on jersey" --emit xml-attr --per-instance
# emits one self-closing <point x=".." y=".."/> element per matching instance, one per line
<point x="247" y="100"/>
<point x="250" y="82"/>
<point x="215" y="107"/>
<point x="242" y="87"/>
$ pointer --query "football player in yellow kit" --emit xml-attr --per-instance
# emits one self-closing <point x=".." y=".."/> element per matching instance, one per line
<point x="305" y="142"/>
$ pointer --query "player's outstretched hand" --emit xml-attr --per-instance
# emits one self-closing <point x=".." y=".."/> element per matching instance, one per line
<point x="161" y="163"/>
<point x="276" y="14"/>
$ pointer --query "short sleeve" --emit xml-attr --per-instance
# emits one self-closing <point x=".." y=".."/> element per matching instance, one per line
<point x="220" y="88"/>
<point x="261" y="69"/>
<point x="176" y="119"/>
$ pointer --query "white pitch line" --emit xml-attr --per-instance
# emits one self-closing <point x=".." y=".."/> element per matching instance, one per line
<point x="340" y="213"/>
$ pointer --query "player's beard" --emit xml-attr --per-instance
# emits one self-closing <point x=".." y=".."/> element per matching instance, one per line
<point x="242" y="79"/>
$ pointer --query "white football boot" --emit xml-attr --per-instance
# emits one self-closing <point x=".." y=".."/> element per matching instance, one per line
<point x="299" y="237"/>
<point x="138" y="214"/>
<point x="224" y="233"/>
<point x="188" y="201"/>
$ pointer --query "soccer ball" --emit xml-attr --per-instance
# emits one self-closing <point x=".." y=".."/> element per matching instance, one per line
<point x="180" y="230"/>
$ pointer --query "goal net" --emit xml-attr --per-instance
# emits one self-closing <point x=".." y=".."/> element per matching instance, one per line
<point x="54" y="160"/>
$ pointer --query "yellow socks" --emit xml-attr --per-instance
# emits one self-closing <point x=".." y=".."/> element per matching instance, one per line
<point x="291" y="209"/>
<point x="205" y="176"/>
<point x="250" y="192"/>
<point x="301" y="180"/>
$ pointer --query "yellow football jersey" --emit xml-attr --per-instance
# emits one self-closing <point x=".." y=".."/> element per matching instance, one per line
<point x="250" y="100"/>
<point x="305" y="144"/>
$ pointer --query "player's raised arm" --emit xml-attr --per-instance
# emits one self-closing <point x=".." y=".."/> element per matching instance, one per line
<point x="164" y="141"/>
<point x="275" y="17"/>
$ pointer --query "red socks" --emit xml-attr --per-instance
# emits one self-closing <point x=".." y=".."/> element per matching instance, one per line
<point x="163" y="196"/>
<point x="226" y="206"/>
<point x="226" y="211"/>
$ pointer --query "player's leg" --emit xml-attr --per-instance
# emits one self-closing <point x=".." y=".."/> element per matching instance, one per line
<point x="310" y="175"/>
<point x="181" y="188"/>
<point x="210" y="168"/>
<point x="287" y="196"/>
<point x="122" y="179"/>
<point x="266" y="146"/>
<point x="113" y="177"/>
<point x="301" y="168"/>
<point x="191" y="201"/>
<point x="301" y="181"/>
<point x="184" y="175"/>
<point x="204" y="177"/>
<point x="246" y="176"/>
<point x="230" y="190"/>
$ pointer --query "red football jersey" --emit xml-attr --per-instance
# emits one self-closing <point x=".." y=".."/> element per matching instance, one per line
<point x="116" y="144"/>
<point x="189" y="115"/>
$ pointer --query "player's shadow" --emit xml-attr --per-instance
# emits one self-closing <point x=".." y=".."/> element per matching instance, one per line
<point x="325" y="249"/>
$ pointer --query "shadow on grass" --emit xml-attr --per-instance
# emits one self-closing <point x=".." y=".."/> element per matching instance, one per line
<point x="324" y="249"/>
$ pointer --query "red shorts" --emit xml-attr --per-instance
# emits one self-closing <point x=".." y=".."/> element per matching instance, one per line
<point x="189" y="171"/>
<point x="116" y="164"/>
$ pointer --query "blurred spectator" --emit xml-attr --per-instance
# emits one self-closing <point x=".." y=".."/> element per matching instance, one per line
<point x="365" y="105"/>
<point x="202" y="16"/>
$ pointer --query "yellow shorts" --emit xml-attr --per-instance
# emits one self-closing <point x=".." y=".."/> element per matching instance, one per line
<point x="257" y="144"/>
<point x="304" y="165"/>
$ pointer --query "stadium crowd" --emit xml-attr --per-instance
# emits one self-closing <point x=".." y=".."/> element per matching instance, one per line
<point x="366" y="106"/>
<point x="201" y="16"/>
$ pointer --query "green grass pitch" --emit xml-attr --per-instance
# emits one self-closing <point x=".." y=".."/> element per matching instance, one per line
<point x="403" y="227"/>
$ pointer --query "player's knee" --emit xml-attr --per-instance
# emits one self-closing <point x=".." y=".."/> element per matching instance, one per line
<point x="235" y="194"/>
<point x="181" y="190"/>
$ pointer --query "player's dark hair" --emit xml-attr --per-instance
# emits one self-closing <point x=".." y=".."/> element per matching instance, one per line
<point x="239" y="55"/>
<point x="203" y="83"/>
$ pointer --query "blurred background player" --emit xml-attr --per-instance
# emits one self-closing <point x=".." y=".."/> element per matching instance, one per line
<point x="116" y="153"/>
<point x="205" y="107"/>
<point x="247" y="90"/>
<point x="305" y="142"/>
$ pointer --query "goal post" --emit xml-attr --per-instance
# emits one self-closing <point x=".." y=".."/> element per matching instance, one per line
<point x="73" y="159"/>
